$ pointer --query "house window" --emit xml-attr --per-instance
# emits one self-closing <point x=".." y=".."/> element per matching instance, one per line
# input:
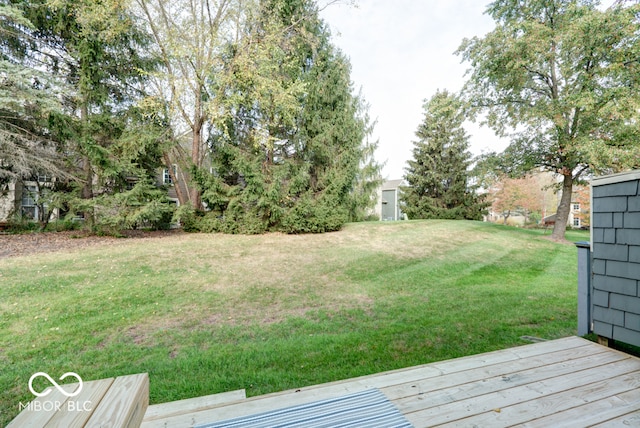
<point x="29" y="208"/>
<point x="576" y="207"/>
<point x="44" y="178"/>
<point x="576" y="222"/>
<point x="166" y="177"/>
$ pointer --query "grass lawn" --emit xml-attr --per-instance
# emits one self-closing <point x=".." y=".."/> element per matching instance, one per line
<point x="210" y="313"/>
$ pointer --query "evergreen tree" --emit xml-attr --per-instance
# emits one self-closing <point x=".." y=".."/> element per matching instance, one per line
<point x="27" y="97"/>
<point x="437" y="176"/>
<point x="290" y="140"/>
<point x="369" y="178"/>
<point x="96" y="51"/>
<point x="333" y="144"/>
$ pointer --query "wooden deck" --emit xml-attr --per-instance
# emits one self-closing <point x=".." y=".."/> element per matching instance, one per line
<point x="565" y="382"/>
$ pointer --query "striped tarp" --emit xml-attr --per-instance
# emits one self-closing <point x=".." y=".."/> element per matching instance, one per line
<point x="367" y="409"/>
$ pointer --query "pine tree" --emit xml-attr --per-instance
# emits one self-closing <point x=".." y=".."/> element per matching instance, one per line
<point x="437" y="176"/>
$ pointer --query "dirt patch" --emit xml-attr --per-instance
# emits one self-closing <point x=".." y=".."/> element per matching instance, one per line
<point x="14" y="245"/>
<point x="558" y="241"/>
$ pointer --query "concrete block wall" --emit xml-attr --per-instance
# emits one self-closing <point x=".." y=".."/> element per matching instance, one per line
<point x="615" y="243"/>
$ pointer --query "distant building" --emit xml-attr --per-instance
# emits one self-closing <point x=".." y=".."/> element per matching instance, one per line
<point x="26" y="199"/>
<point x="580" y="211"/>
<point x="388" y="206"/>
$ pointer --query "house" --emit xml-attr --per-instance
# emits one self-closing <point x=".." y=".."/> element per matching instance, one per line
<point x="164" y="178"/>
<point x="580" y="212"/>
<point x="26" y="199"/>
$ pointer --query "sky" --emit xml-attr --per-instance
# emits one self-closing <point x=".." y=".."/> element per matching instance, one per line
<point x="401" y="53"/>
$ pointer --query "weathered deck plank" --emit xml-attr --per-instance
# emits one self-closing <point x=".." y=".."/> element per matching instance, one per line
<point x="522" y="404"/>
<point x="465" y="392"/>
<point x="561" y="360"/>
<point x="631" y="419"/>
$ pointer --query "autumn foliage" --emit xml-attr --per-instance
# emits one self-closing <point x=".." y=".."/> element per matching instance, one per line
<point x="518" y="195"/>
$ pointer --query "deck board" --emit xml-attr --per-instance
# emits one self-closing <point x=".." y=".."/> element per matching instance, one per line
<point x="461" y="393"/>
<point x="541" y="366"/>
<point x="165" y="410"/>
<point x="564" y="382"/>
<point x="618" y="408"/>
<point x="523" y="404"/>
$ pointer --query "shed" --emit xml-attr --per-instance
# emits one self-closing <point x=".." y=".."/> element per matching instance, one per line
<point x="388" y="208"/>
<point x="615" y="246"/>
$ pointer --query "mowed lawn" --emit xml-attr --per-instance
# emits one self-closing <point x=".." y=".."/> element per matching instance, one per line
<point x="210" y="313"/>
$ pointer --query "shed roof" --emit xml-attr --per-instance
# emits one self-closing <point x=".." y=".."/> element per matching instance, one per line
<point x="392" y="184"/>
<point x="616" y="178"/>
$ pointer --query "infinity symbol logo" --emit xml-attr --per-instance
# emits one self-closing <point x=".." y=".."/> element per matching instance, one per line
<point x="53" y="382"/>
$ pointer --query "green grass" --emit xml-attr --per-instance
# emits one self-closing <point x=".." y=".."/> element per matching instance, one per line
<point x="210" y="313"/>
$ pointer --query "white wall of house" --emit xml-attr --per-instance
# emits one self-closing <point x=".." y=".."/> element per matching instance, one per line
<point x="7" y="202"/>
<point x="20" y="198"/>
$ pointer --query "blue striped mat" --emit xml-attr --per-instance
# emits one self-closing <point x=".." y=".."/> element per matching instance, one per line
<point x="367" y="409"/>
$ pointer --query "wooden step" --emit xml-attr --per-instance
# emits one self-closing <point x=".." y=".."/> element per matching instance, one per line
<point x="124" y="404"/>
<point x="174" y="408"/>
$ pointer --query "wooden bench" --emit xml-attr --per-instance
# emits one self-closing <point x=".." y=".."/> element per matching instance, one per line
<point x="105" y="403"/>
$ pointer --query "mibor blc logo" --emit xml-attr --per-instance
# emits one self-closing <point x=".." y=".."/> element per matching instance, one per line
<point x="47" y="405"/>
<point x="55" y="384"/>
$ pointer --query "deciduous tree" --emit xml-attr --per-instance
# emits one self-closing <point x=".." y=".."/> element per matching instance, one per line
<point x="563" y="75"/>
<point x="523" y="195"/>
<point x="188" y="38"/>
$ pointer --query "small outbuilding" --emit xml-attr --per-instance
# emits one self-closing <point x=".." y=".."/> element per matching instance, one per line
<point x="388" y="206"/>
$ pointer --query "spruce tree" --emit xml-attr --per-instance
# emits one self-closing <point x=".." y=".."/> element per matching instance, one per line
<point x="96" y="53"/>
<point x="437" y="176"/>
<point x="289" y="146"/>
<point x="27" y="96"/>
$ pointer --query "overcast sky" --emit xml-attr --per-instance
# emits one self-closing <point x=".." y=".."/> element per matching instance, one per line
<point x="401" y="52"/>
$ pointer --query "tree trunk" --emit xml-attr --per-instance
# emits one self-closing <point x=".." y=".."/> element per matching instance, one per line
<point x="87" y="173"/>
<point x="196" y="143"/>
<point x="87" y="169"/>
<point x="562" y="214"/>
